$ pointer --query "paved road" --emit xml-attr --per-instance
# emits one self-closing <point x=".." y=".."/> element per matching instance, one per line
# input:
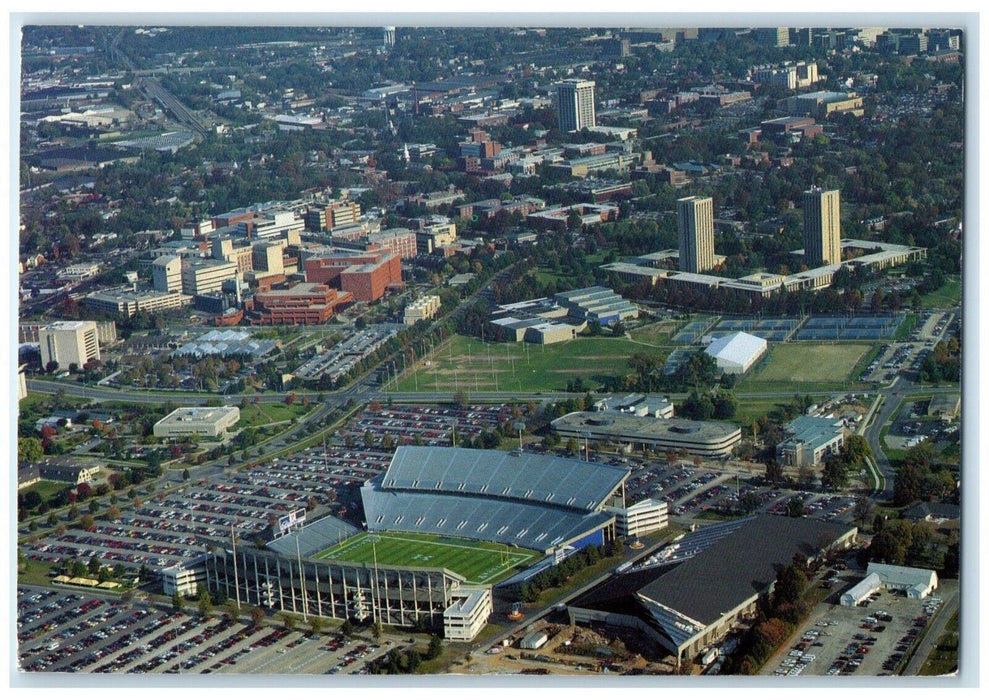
<point x="935" y="630"/>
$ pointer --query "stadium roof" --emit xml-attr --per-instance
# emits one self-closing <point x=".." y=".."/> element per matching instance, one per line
<point x="680" y="597"/>
<point x="542" y="479"/>
<point x="740" y="566"/>
<point x="737" y="348"/>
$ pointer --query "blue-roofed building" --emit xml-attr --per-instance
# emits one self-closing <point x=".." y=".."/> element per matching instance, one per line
<point x="534" y="501"/>
<point x="810" y="441"/>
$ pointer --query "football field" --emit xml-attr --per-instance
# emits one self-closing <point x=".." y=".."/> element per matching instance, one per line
<point x="478" y="562"/>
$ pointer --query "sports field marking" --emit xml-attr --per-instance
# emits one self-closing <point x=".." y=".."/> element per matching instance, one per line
<point x="359" y="543"/>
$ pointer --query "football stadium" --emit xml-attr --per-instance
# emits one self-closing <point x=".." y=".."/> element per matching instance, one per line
<point x="443" y="526"/>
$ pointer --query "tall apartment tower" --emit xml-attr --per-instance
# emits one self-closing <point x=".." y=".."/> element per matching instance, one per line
<point x="822" y="227"/>
<point x="575" y="104"/>
<point x="695" y="228"/>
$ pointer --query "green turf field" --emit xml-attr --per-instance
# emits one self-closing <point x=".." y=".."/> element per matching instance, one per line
<point x="806" y="367"/>
<point x="478" y="562"/>
<point x="466" y="364"/>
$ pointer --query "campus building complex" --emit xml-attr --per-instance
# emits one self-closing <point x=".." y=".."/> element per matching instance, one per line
<point x="701" y="438"/>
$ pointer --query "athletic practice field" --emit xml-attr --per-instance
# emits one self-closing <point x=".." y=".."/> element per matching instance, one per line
<point x="805" y="366"/>
<point x="478" y="562"/>
<point x="466" y="364"/>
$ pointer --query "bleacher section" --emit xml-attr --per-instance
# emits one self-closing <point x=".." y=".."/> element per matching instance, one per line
<point x="532" y="501"/>
<point x="527" y="525"/>
<point x="539" y="479"/>
<point x="315" y="537"/>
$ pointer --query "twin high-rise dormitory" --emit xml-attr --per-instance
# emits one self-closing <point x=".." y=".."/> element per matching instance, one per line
<point x="822" y="230"/>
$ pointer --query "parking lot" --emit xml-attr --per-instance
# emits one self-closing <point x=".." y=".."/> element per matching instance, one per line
<point x="870" y="639"/>
<point x="69" y="632"/>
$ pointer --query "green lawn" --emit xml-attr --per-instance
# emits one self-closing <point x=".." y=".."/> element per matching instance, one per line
<point x="257" y="414"/>
<point x="944" y="656"/>
<point x="802" y="367"/>
<point x="478" y="562"/>
<point x="946" y="297"/>
<point x="466" y="364"/>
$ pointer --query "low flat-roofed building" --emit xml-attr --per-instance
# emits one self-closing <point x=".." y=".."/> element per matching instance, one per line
<point x="128" y="301"/>
<point x="637" y="405"/>
<point x="701" y="438"/>
<point x="809" y="441"/>
<point x="944" y="405"/>
<point x="467" y="614"/>
<point x="208" y="422"/>
<point x="69" y="473"/>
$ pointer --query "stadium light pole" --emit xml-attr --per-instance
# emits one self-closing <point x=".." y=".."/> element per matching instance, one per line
<point x="302" y="575"/>
<point x="374" y="555"/>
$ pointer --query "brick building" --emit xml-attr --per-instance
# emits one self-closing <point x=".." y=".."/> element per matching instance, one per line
<point x="306" y="303"/>
<point x="366" y="275"/>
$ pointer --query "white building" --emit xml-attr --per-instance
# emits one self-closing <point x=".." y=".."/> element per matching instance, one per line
<point x="915" y="583"/>
<point x="69" y="343"/>
<point x="184" y="579"/>
<point x="207" y="422"/>
<point x="206" y="276"/>
<point x="736" y="353"/>
<point x="467" y="614"/>
<point x="861" y="590"/>
<point x="534" y="640"/>
<point x="575" y="104"/>
<point x="641" y="519"/>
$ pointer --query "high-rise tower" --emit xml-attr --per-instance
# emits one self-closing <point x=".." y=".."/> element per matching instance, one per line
<point x="695" y="228"/>
<point x="575" y="104"/>
<point x="822" y="227"/>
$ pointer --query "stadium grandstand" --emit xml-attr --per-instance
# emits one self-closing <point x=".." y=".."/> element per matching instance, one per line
<point x="538" y="502"/>
<point x="313" y="538"/>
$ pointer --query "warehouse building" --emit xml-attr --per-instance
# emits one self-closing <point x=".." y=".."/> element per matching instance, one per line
<point x="737" y="353"/>
<point x="688" y="602"/>
<point x="701" y="438"/>
<point x="205" y="422"/>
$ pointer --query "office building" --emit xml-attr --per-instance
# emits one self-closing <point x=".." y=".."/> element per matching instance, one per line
<point x="307" y="303"/>
<point x="127" y="301"/>
<point x="69" y="343"/>
<point x="205" y="422"/>
<point x="166" y="274"/>
<point x="809" y="441"/>
<point x="266" y="256"/>
<point x="695" y="228"/>
<point x="575" y="104"/>
<point x="822" y="227"/>
<point x="206" y="276"/>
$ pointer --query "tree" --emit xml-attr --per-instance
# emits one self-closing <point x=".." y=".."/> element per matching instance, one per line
<point x="288" y="621"/>
<point x="257" y="616"/>
<point x="29" y="449"/>
<point x="177" y="602"/>
<point x="774" y="471"/>
<point x="834" y="477"/>
<point x="435" y="647"/>
<point x="863" y="509"/>
<point x="113" y="513"/>
<point x="790" y="585"/>
<point x="185" y="474"/>
<point x="205" y="603"/>
<point x="86" y="522"/>
<point x="376" y="630"/>
<point x="795" y="507"/>
<point x="316" y="625"/>
<point x="347" y="628"/>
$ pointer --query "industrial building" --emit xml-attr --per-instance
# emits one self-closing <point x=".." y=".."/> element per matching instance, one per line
<point x="205" y="422"/>
<point x="737" y="353"/>
<point x="701" y="438"/>
<point x="710" y="580"/>
<point x="69" y="343"/>
<point x="809" y="441"/>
